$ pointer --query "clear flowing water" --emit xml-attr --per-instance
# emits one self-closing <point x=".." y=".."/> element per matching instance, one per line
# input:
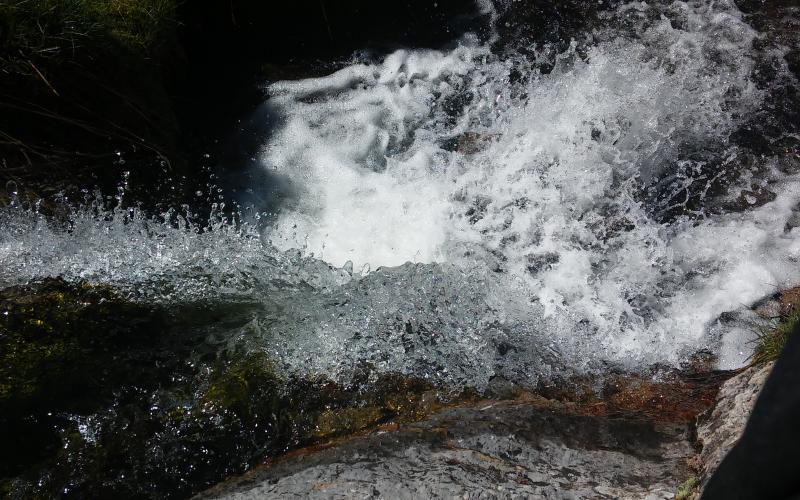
<point x="461" y="214"/>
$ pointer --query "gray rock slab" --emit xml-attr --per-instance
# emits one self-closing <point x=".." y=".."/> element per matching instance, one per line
<point x="502" y="450"/>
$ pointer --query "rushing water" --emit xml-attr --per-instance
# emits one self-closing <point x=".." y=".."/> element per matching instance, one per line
<point x="461" y="214"/>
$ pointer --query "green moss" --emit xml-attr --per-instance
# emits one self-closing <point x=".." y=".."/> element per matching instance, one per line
<point x="770" y="343"/>
<point x="6" y="487"/>
<point x="242" y="386"/>
<point x="337" y="422"/>
<point x="102" y="397"/>
<point x="59" y="344"/>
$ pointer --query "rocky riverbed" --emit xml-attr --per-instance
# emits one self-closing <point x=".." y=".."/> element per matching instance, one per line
<point x="535" y="448"/>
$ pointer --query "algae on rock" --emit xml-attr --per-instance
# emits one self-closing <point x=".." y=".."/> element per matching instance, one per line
<point x="101" y="396"/>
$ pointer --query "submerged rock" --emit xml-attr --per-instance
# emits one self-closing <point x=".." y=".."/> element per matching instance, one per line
<point x="63" y="348"/>
<point x="101" y="396"/>
<point x="48" y="332"/>
<point x="131" y="400"/>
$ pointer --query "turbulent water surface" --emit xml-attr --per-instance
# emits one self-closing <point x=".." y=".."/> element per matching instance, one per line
<point x="466" y="213"/>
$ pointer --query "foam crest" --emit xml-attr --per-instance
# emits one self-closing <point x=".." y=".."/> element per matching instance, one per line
<point x="372" y="179"/>
<point x="166" y="259"/>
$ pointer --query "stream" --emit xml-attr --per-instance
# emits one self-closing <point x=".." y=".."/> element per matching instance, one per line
<point x="516" y="207"/>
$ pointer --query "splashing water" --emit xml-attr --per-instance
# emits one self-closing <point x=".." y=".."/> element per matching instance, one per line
<point x="522" y="215"/>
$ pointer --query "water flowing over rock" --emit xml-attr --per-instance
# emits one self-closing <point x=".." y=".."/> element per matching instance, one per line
<point x="570" y="210"/>
<point x="596" y="222"/>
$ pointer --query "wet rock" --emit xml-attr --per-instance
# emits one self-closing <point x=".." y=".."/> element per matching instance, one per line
<point x="347" y="421"/>
<point x="762" y="6"/>
<point x="96" y="390"/>
<point x="103" y="397"/>
<point x="190" y="412"/>
<point x="517" y="449"/>
<point x="64" y="347"/>
<point x="754" y="197"/>
<point x="721" y="428"/>
<point x="619" y="436"/>
<point x="611" y="227"/>
<point x="677" y="396"/>
<point x="469" y="143"/>
<point x="792" y="222"/>
<point x="768" y="309"/>
<point x="477" y="210"/>
<point x="781" y="304"/>
<point x="537" y="263"/>
<point x="793" y="61"/>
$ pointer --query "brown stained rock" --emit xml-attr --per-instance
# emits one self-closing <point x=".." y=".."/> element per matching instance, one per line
<point x="718" y="431"/>
<point x="779" y="305"/>
<point x="768" y="309"/>
<point x="679" y="400"/>
<point x="347" y="421"/>
<point x="410" y="406"/>
<point x="674" y="397"/>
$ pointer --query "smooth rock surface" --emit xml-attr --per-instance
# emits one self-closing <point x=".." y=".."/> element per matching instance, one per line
<point x="491" y="450"/>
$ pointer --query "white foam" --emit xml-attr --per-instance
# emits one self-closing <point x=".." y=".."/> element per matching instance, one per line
<point x="565" y="154"/>
<point x="523" y="206"/>
<point x="359" y="201"/>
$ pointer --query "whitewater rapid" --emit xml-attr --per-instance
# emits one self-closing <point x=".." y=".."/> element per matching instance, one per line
<point x="459" y="215"/>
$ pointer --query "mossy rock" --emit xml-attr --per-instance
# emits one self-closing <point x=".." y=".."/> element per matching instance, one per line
<point x="236" y="385"/>
<point x="67" y="346"/>
<point x="337" y="422"/>
<point x="63" y="348"/>
<point x="105" y="397"/>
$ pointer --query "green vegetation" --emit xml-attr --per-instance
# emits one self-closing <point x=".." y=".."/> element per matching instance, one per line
<point x="689" y="490"/>
<point x="770" y="342"/>
<point x="52" y="31"/>
<point x="52" y="344"/>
